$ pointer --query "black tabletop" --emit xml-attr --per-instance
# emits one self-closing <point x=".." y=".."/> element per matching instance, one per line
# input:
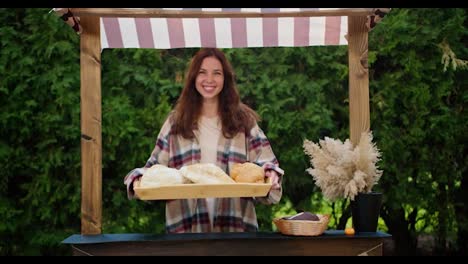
<point x="135" y="237"/>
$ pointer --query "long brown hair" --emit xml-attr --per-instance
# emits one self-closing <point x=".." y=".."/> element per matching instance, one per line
<point x="235" y="116"/>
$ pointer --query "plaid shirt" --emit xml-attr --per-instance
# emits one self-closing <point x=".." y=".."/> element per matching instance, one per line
<point x="231" y="214"/>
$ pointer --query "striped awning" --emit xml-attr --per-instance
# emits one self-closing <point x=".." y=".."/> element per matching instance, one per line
<point x="168" y="28"/>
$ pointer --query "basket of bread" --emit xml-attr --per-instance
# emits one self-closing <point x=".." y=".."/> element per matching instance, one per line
<point x="202" y="180"/>
<point x="303" y="224"/>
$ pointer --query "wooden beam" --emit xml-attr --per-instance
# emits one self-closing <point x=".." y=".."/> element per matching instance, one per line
<point x="158" y="12"/>
<point x="91" y="138"/>
<point x="359" y="116"/>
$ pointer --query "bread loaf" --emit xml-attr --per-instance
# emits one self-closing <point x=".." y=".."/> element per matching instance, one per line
<point x="205" y="173"/>
<point x="160" y="175"/>
<point x="247" y="173"/>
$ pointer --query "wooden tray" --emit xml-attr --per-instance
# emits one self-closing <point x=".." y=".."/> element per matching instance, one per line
<point x="189" y="191"/>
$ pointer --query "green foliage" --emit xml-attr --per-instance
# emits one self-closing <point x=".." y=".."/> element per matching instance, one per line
<point x="40" y="133"/>
<point x="418" y="115"/>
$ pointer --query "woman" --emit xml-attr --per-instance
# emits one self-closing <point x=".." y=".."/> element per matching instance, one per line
<point x="211" y="125"/>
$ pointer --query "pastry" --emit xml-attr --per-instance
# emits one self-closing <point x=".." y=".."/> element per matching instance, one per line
<point x="205" y="173"/>
<point x="160" y="175"/>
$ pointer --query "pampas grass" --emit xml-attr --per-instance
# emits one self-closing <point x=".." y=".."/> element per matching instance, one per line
<point x="341" y="170"/>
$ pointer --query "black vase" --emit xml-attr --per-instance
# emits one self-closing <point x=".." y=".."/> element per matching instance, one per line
<point x="365" y="211"/>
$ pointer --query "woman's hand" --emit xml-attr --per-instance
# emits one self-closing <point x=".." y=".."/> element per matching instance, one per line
<point x="274" y="179"/>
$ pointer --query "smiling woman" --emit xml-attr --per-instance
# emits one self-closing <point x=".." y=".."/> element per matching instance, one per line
<point x="210" y="81"/>
<point x="210" y="125"/>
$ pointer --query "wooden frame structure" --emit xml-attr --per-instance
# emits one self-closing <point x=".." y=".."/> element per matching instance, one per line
<point x="90" y="63"/>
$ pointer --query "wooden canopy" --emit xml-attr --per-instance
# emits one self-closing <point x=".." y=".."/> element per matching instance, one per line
<point x="165" y="28"/>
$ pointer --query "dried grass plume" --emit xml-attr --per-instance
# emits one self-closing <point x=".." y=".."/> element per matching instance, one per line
<point x="341" y="170"/>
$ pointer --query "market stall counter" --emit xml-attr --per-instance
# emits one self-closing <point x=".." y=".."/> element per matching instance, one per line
<point x="330" y="243"/>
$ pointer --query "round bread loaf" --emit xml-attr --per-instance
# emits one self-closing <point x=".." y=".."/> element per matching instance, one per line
<point x="205" y="173"/>
<point x="160" y="175"/>
<point x="247" y="172"/>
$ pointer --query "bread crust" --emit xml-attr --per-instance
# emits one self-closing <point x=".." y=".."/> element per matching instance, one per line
<point x="160" y="175"/>
<point x="247" y="172"/>
<point x="205" y="173"/>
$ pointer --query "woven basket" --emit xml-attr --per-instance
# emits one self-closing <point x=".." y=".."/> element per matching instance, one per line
<point x="302" y="227"/>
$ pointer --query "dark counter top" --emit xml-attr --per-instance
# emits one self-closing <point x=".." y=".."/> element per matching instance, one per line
<point x="135" y="237"/>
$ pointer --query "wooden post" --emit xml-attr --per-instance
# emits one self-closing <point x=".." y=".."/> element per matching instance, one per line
<point x="91" y="138"/>
<point x="359" y="116"/>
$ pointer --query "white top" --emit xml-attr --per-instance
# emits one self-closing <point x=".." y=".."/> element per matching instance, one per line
<point x="209" y="130"/>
